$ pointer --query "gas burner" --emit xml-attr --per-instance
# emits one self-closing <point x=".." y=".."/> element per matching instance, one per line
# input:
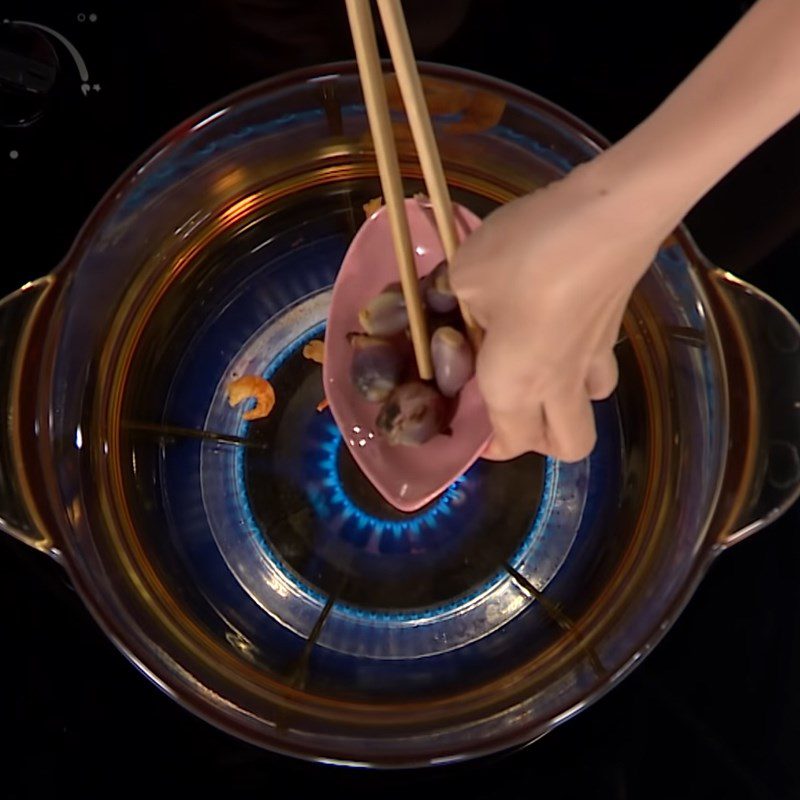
<point x="304" y="532"/>
<point x="332" y="469"/>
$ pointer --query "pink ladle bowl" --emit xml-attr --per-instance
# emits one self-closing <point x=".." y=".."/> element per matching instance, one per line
<point x="407" y="477"/>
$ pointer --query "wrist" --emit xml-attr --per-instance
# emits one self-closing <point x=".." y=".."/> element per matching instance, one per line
<point x="638" y="193"/>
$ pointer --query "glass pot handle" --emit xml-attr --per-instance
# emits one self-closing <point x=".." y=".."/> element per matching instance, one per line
<point x="18" y="337"/>
<point x="763" y="479"/>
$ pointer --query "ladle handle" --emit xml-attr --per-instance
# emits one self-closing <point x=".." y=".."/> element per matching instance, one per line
<point x="763" y="479"/>
<point x="18" y="336"/>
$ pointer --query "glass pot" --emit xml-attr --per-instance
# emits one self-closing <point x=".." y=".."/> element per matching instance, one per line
<point x="245" y="568"/>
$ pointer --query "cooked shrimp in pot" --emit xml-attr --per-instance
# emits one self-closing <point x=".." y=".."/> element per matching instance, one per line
<point x="256" y="387"/>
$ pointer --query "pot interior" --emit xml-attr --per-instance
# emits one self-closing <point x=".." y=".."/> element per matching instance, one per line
<point x="250" y="566"/>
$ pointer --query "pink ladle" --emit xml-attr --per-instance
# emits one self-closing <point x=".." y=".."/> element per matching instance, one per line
<point x="407" y="477"/>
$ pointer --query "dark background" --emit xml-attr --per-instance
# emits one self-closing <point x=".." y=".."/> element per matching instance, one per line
<point x="713" y="712"/>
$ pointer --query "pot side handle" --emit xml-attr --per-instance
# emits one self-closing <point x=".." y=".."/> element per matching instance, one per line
<point x="764" y="388"/>
<point x="17" y="314"/>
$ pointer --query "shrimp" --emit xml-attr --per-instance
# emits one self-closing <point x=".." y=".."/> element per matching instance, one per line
<point x="371" y="206"/>
<point x="315" y="351"/>
<point x="256" y="387"/>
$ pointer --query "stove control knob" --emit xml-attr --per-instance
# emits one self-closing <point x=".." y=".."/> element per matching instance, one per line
<point x="28" y="69"/>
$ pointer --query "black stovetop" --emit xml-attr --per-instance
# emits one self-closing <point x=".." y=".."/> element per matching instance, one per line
<point x="713" y="712"/>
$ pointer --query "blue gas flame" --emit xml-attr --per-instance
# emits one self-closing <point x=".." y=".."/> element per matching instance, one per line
<point x="330" y="500"/>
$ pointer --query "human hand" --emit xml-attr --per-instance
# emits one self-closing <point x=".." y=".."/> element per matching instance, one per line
<point x="548" y="277"/>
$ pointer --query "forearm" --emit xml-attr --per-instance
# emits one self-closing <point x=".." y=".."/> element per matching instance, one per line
<point x="745" y="90"/>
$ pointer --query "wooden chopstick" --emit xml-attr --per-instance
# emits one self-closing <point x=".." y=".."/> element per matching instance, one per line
<point x="405" y="65"/>
<point x="369" y="69"/>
